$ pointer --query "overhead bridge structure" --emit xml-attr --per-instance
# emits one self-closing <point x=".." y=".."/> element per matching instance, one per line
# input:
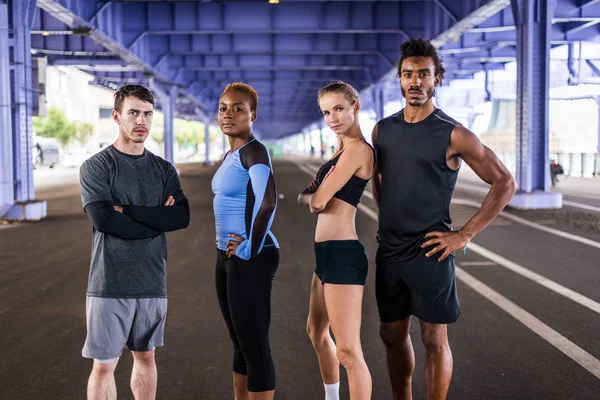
<point x="187" y="51"/>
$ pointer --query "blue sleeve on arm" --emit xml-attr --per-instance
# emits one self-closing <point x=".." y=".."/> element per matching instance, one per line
<point x="263" y="186"/>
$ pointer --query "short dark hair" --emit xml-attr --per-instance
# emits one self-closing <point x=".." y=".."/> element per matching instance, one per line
<point x="138" y="91"/>
<point x="247" y="90"/>
<point x="421" y="48"/>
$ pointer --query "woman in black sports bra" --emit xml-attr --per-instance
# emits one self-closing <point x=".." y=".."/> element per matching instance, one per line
<point x="341" y="264"/>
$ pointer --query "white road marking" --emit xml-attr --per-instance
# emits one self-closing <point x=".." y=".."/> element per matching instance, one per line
<point x="516" y="268"/>
<point x="567" y="347"/>
<point x="534" y="225"/>
<point x="535" y="277"/>
<point x="570" y="349"/>
<point x="480" y="189"/>
<point x="478" y="263"/>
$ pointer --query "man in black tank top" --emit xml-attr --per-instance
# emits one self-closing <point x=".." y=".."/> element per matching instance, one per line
<point x="419" y="151"/>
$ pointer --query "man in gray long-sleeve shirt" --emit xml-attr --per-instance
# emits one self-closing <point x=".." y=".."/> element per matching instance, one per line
<point x="132" y="197"/>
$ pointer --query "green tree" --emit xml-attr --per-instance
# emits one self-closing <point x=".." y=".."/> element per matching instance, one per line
<point x="188" y="134"/>
<point x="55" y="125"/>
<point x="158" y="127"/>
<point x="83" y="132"/>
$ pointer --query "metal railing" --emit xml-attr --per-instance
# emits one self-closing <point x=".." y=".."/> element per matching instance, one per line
<point x="585" y="165"/>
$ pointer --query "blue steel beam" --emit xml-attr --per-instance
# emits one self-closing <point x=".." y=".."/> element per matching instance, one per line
<point x="585" y="4"/>
<point x="166" y="55"/>
<point x="568" y="26"/>
<point x="71" y="53"/>
<point x="389" y="16"/>
<point x="17" y="197"/>
<point x="595" y="69"/>
<point x="22" y="97"/>
<point x="533" y="21"/>
<point x="7" y="194"/>
<point x="202" y="18"/>
<point x="71" y="19"/>
<point x="333" y="53"/>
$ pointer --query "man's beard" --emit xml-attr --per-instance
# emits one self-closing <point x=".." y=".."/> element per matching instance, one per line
<point x="136" y="139"/>
<point x="418" y="103"/>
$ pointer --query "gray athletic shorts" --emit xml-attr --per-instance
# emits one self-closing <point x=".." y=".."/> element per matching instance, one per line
<point x="112" y="324"/>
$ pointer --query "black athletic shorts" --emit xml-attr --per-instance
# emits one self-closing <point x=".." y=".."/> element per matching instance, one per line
<point x="420" y="286"/>
<point x="341" y="262"/>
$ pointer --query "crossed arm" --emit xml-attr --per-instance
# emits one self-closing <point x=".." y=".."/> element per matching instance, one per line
<point x="137" y="222"/>
<point x="318" y="196"/>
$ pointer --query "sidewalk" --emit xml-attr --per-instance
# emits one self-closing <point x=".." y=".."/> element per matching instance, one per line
<point x="570" y="185"/>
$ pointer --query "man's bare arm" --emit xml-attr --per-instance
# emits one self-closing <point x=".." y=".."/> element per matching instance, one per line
<point x="483" y="161"/>
<point x="490" y="169"/>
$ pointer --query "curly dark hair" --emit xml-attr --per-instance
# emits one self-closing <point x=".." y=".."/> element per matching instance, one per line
<point x="421" y="48"/>
<point x="138" y="91"/>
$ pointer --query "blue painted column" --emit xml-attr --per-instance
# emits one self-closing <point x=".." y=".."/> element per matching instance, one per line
<point x="322" y="148"/>
<point x="598" y="125"/>
<point x="305" y="146"/>
<point x="167" y="101"/>
<point x="169" y="137"/>
<point x="226" y="146"/>
<point x="207" y="160"/>
<point x="533" y="20"/>
<point x="6" y="143"/>
<point x="22" y="111"/>
<point x="21" y="87"/>
<point x="378" y="102"/>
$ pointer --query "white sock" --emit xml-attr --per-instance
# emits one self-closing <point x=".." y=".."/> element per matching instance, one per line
<point x="332" y="391"/>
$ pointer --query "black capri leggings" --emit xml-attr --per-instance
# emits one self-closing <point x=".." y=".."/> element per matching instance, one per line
<point x="244" y="293"/>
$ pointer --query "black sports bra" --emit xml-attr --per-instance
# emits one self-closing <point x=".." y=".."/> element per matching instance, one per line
<point x="352" y="191"/>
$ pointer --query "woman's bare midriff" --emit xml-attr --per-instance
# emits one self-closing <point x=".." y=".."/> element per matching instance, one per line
<point x="336" y="222"/>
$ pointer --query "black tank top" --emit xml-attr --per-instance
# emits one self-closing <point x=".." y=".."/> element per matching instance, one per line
<point x="352" y="191"/>
<point x="417" y="184"/>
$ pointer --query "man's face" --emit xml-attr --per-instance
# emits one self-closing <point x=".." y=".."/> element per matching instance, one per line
<point x="135" y="119"/>
<point x="418" y="80"/>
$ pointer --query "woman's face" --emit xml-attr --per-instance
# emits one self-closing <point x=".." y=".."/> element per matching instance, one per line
<point x="338" y="113"/>
<point x="235" y="116"/>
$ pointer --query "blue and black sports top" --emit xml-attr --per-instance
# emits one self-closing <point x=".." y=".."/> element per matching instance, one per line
<point x="245" y="199"/>
<point x="352" y="191"/>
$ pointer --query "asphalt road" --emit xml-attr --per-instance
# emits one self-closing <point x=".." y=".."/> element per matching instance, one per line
<point x="530" y="299"/>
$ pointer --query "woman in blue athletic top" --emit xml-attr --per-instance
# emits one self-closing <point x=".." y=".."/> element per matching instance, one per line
<point x="341" y="263"/>
<point x="248" y="253"/>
